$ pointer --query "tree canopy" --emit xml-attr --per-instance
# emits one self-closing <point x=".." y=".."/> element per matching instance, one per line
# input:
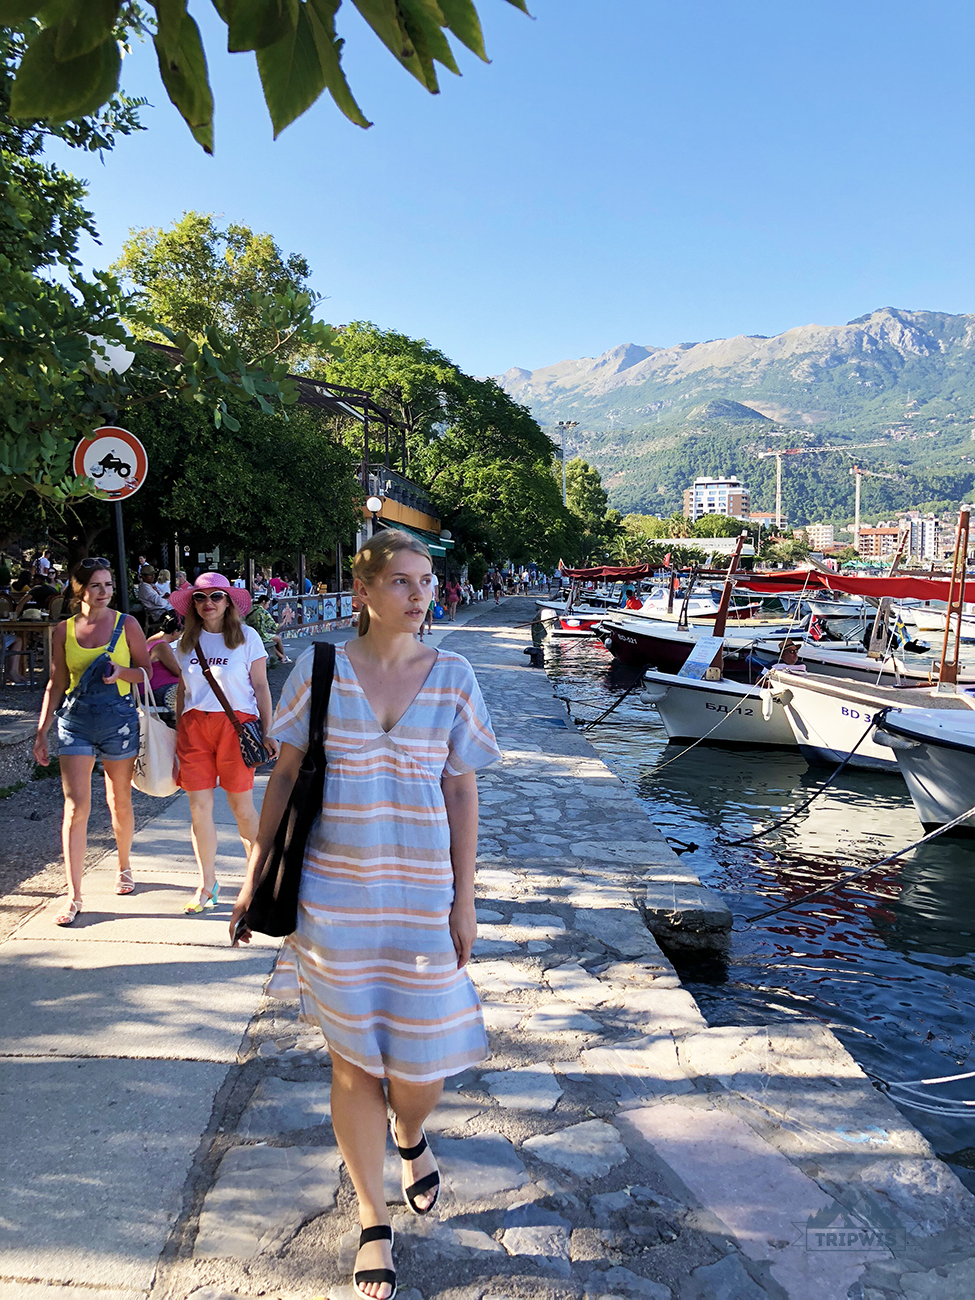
<point x="196" y="277"/>
<point x="72" y="65"/>
<point x="484" y="459"/>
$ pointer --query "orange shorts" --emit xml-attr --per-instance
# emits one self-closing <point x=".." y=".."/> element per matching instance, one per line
<point x="209" y="752"/>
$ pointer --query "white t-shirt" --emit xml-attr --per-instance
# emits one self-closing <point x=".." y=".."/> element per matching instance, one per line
<point x="231" y="668"/>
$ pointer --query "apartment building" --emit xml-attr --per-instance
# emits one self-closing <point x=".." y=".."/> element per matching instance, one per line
<point x="820" y="536"/>
<point x="716" y="496"/>
<point x="875" y="543"/>
<point x="924" y="536"/>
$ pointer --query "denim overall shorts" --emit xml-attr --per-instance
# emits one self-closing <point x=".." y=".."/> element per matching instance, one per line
<point x="95" y="720"/>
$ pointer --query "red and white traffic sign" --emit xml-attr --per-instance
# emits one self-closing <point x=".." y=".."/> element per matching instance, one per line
<point x="115" y="461"/>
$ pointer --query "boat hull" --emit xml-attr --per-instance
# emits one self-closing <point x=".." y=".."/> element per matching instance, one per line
<point x="826" y="722"/>
<point x="720" y="713"/>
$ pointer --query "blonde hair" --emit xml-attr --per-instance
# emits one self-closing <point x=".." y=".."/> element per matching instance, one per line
<point x="233" y="632"/>
<point x="372" y="558"/>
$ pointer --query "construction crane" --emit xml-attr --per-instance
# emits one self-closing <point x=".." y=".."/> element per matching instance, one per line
<point x="800" y="451"/>
<point x="858" y="474"/>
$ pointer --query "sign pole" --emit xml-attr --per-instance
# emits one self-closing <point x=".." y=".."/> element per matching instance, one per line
<point x="121" y="569"/>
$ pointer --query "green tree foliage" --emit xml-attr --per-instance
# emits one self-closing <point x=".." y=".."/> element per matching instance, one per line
<point x="785" y="550"/>
<point x="196" y="277"/>
<point x="640" y="541"/>
<point x="72" y="66"/>
<point x="486" y="462"/>
<point x="268" y="486"/>
<point x="587" y="500"/>
<point x="53" y="391"/>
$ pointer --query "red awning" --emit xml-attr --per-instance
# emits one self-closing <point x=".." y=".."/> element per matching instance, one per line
<point x="899" y="587"/>
<point x="609" y="572"/>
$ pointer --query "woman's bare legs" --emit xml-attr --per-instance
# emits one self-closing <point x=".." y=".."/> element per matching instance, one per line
<point x="118" y="795"/>
<point x="203" y="834"/>
<point x="242" y="807"/>
<point x="411" y="1103"/>
<point x="76" y="770"/>
<point x="359" y="1123"/>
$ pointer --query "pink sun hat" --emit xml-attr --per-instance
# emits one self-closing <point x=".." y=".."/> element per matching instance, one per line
<point x="180" y="598"/>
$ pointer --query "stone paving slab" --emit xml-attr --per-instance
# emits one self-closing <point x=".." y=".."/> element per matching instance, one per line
<point x="153" y="913"/>
<point x="761" y="1196"/>
<point x="261" y="1197"/>
<point x="45" y="1291"/>
<point x="88" y="1194"/>
<point x="72" y="998"/>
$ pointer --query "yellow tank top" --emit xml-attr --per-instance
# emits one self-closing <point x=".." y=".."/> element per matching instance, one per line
<point x="77" y="657"/>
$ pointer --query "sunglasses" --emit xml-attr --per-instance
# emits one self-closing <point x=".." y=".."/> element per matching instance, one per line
<point x="201" y="597"/>
<point x="94" y="562"/>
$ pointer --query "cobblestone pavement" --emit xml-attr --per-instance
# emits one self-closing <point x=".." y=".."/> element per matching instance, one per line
<point x="614" y="1146"/>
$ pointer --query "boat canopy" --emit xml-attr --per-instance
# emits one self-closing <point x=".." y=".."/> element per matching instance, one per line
<point x="609" y="573"/>
<point x="899" y="586"/>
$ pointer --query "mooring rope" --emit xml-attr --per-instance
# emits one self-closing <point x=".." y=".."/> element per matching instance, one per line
<point x="856" y="875"/>
<point x="767" y="830"/>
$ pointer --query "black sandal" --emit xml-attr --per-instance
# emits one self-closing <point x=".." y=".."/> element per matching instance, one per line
<point x="380" y="1232"/>
<point x="424" y="1184"/>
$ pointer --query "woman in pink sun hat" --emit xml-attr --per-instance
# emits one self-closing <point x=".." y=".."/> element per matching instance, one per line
<point x="207" y="745"/>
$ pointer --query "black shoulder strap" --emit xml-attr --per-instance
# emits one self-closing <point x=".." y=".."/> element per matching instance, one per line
<point x="322" y="673"/>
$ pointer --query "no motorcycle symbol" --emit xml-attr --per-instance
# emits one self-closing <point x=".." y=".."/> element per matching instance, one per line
<point x="115" y="461"/>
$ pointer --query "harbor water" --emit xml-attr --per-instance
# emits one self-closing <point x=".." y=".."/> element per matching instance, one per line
<point x="888" y="964"/>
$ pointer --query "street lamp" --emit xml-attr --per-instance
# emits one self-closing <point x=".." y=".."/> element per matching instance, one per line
<point x="564" y="425"/>
<point x="374" y="505"/>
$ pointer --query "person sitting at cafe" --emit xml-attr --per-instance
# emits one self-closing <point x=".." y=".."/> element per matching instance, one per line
<point x="155" y="606"/>
<point x="262" y="621"/>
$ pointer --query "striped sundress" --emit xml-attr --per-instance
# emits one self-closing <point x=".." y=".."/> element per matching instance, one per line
<point x="372" y="960"/>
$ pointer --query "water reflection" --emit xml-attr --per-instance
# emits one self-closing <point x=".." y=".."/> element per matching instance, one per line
<point x="889" y="964"/>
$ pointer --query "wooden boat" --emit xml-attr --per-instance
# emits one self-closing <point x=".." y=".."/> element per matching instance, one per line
<point x="935" y="751"/>
<point x="827" y="716"/>
<point x="723" y="712"/>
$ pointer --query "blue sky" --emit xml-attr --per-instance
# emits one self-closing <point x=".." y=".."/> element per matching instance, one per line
<point x="623" y="171"/>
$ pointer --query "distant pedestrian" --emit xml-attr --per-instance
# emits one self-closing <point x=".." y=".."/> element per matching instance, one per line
<point x="96" y="656"/>
<point x="453" y="598"/>
<point x="163" y="583"/>
<point x="207" y="745"/>
<point x="497" y="585"/>
<point x="386" y="918"/>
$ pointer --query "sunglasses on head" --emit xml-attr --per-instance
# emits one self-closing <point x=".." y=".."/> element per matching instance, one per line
<point x="94" y="562"/>
<point x="200" y="596"/>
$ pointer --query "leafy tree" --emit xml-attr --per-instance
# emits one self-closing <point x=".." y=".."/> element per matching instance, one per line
<point x="195" y="277"/>
<point x="483" y="457"/>
<point x="72" y="66"/>
<point x="718" y="526"/>
<point x="57" y="385"/>
<point x="587" y="500"/>
<point x="788" y="550"/>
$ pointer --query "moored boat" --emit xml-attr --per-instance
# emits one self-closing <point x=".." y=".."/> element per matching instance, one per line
<point x="828" y="716"/>
<point x="723" y="712"/>
<point x="935" y="751"/>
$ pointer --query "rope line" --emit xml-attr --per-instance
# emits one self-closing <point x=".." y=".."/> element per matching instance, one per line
<point x="802" y="807"/>
<point x="848" y="880"/>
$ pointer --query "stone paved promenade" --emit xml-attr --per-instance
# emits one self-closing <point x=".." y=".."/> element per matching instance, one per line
<point x="165" y="1128"/>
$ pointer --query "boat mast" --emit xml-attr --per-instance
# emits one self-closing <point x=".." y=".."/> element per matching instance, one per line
<point x="948" y="672"/>
<point x="721" y="618"/>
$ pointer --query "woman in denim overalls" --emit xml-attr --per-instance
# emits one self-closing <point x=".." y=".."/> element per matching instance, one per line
<point x="96" y="656"/>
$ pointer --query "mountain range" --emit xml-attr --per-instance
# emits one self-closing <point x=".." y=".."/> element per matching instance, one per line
<point x="895" y="387"/>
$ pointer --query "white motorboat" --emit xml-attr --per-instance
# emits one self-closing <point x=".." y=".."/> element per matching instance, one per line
<point x="930" y="617"/>
<point x="724" y="712"/>
<point x="935" y="751"/>
<point x="829" y="715"/>
<point x="688" y="608"/>
<point x="828" y="659"/>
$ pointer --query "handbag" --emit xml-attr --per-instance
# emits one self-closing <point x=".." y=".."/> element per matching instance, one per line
<point x="157" y="750"/>
<point x="250" y="734"/>
<point x="274" y="907"/>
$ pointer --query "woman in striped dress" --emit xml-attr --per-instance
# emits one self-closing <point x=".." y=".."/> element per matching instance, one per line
<point x="386" y="910"/>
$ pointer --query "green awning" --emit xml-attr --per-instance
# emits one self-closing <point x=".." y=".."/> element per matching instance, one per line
<point x="436" y="545"/>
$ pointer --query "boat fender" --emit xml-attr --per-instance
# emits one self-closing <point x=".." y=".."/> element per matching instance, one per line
<point x="768" y="704"/>
<point x="654" y="695"/>
<point x="889" y="741"/>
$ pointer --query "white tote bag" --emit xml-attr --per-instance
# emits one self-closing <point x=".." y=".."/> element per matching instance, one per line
<point x="157" y="750"/>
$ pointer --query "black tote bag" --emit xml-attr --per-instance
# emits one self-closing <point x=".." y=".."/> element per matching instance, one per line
<point x="274" y="907"/>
